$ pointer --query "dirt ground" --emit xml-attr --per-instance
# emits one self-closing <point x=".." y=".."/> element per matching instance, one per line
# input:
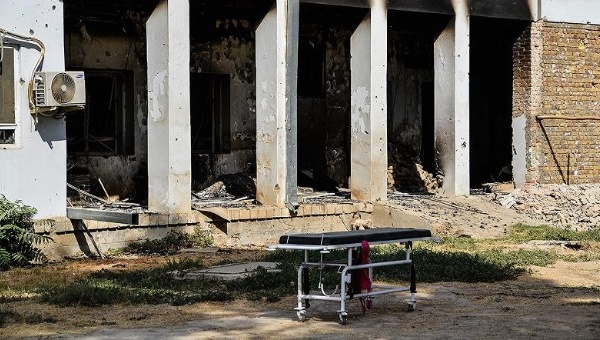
<point x="556" y="302"/>
<point x="560" y="301"/>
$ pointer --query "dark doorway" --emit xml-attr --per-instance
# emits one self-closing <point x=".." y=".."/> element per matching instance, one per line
<point x="209" y="113"/>
<point x="491" y="77"/>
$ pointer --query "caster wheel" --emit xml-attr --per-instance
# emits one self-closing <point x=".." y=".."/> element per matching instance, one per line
<point x="411" y="306"/>
<point x="301" y="315"/>
<point x="343" y="318"/>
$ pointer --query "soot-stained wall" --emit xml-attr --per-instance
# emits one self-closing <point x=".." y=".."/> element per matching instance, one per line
<point x="410" y="68"/>
<point x="224" y="44"/>
<point x="92" y="43"/>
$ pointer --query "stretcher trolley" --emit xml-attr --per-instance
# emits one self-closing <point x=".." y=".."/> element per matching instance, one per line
<point x="355" y="243"/>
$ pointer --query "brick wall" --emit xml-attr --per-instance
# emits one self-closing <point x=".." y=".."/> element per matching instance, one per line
<point x="563" y="71"/>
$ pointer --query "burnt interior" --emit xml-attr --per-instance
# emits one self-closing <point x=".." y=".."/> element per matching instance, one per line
<point x="324" y="95"/>
<point x="411" y="150"/>
<point x="491" y="84"/>
<point x="223" y="109"/>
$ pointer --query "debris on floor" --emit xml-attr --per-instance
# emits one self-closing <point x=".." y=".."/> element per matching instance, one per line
<point x="405" y="172"/>
<point x="561" y="205"/>
<point x="232" y="190"/>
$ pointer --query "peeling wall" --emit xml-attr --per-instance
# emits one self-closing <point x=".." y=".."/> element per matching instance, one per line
<point x="323" y="122"/>
<point x="228" y="48"/>
<point x="410" y="65"/>
<point x="96" y="48"/>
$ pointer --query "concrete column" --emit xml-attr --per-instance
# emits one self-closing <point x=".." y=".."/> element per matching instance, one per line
<point x="276" y="105"/>
<point x="451" y="67"/>
<point x="368" y="157"/>
<point x="169" y="145"/>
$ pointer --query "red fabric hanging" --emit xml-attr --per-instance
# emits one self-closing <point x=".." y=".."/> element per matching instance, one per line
<point x="365" y="281"/>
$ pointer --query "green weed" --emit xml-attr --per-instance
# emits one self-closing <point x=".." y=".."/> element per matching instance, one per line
<point x="521" y="233"/>
<point x="7" y="315"/>
<point x="172" y="243"/>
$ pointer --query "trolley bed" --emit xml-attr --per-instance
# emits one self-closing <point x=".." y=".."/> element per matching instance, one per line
<point x="351" y="241"/>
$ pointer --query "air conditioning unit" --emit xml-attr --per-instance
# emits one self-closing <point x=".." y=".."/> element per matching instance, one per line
<point x="59" y="89"/>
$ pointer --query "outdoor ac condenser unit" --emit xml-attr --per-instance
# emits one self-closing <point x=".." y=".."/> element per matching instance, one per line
<point x="59" y="89"/>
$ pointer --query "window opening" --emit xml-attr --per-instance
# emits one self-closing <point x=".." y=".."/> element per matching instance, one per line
<point x="7" y="97"/>
<point x="105" y="126"/>
<point x="209" y="113"/>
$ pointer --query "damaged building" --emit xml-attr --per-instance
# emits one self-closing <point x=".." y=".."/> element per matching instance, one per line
<point x="234" y="114"/>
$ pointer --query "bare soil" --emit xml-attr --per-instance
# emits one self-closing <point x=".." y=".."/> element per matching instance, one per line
<point x="556" y="302"/>
<point x="559" y="301"/>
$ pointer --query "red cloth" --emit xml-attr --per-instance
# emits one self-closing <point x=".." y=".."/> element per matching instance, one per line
<point x="365" y="282"/>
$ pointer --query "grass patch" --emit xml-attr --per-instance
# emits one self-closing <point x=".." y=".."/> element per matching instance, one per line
<point x="172" y="243"/>
<point x="442" y="265"/>
<point x="37" y="318"/>
<point x="433" y="264"/>
<point x="521" y="233"/>
<point x="6" y="316"/>
<point x="583" y="257"/>
<point x="9" y="316"/>
<point x="157" y="286"/>
<point x="453" y="259"/>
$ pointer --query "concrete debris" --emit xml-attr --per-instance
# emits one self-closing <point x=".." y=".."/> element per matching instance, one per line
<point x="229" y="190"/>
<point x="560" y="205"/>
<point x="405" y="172"/>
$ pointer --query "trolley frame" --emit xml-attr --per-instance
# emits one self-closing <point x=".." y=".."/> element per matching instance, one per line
<point x="345" y="276"/>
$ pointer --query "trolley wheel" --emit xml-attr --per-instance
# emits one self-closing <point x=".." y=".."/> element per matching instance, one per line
<point x="411" y="306"/>
<point x="343" y="318"/>
<point x="301" y="315"/>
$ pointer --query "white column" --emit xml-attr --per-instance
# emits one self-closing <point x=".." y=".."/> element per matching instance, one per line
<point x="451" y="67"/>
<point x="169" y="146"/>
<point x="276" y="105"/>
<point x="368" y="156"/>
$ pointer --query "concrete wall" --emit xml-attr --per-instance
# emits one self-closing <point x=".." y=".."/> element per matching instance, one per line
<point x="571" y="11"/>
<point x="34" y="170"/>
<point x="228" y="49"/>
<point x="410" y="65"/>
<point x="115" y="50"/>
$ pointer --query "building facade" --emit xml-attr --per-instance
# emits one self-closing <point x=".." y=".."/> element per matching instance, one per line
<point x="180" y="91"/>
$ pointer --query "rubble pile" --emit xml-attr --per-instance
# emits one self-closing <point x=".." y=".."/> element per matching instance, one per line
<point x="405" y="172"/>
<point x="231" y="190"/>
<point x="560" y="205"/>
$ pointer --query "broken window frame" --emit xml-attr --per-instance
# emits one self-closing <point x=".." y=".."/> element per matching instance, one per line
<point x="8" y="127"/>
<point x="217" y="131"/>
<point x="119" y="141"/>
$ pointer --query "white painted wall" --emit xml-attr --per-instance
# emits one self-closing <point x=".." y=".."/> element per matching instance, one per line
<point x="169" y="144"/>
<point x="519" y="160"/>
<point x="276" y="105"/>
<point x="451" y="67"/>
<point x="34" y="170"/>
<point x="368" y="106"/>
<point x="572" y="11"/>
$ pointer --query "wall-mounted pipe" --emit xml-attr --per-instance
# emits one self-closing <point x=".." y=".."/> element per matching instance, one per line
<point x="3" y="34"/>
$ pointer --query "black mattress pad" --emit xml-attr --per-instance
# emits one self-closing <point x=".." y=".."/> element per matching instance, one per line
<point x="352" y="237"/>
